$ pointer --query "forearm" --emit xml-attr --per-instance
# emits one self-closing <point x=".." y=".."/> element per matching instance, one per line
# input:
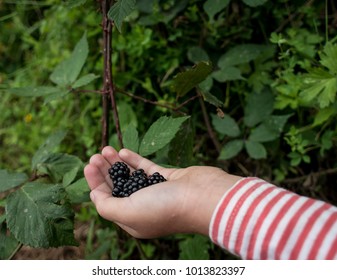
<point x="256" y="220"/>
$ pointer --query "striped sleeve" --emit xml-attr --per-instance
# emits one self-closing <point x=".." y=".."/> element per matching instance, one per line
<point x="257" y="220"/>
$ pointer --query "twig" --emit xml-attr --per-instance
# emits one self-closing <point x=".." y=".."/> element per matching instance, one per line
<point x="17" y="249"/>
<point x="164" y="105"/>
<point x="315" y="174"/>
<point x="208" y="125"/>
<point x="108" y="86"/>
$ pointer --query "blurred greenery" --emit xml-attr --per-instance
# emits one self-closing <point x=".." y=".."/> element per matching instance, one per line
<point x="278" y="56"/>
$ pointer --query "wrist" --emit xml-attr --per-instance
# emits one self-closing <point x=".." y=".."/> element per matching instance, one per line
<point x="206" y="199"/>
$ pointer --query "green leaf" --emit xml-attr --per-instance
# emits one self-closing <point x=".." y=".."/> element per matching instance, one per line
<point x="211" y="99"/>
<point x="181" y="147"/>
<point x="320" y="85"/>
<point x="227" y="74"/>
<point x="197" y="54"/>
<point x="8" y="243"/>
<point x="79" y="191"/>
<point x="259" y="107"/>
<point x="231" y="149"/>
<point x="189" y="79"/>
<point x="226" y="125"/>
<point x="57" y="165"/>
<point x="270" y="129"/>
<point x="255" y="150"/>
<point x="56" y="95"/>
<point x="206" y="85"/>
<point x="325" y="114"/>
<point x="329" y="58"/>
<point x="127" y="115"/>
<point x="47" y="147"/>
<point x="120" y="10"/>
<point x="68" y="70"/>
<point x="254" y="3"/>
<point x="34" y="91"/>
<point x="84" y="80"/>
<point x="212" y="7"/>
<point x="263" y="133"/>
<point x="11" y="180"/>
<point x="131" y="139"/>
<point x="194" y="248"/>
<point x="36" y="217"/>
<point x="241" y="54"/>
<point x="70" y="176"/>
<point x="160" y="133"/>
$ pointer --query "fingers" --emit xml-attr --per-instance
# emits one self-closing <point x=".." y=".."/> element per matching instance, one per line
<point x="93" y="176"/>
<point x="110" y="155"/>
<point x="96" y="172"/>
<point x="138" y="162"/>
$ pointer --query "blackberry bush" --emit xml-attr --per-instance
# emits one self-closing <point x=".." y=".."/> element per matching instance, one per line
<point x="125" y="184"/>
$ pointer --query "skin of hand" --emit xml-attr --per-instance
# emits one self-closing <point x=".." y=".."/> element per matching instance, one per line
<point x="183" y="204"/>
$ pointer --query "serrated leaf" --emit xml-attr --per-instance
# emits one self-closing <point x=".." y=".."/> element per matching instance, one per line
<point x="255" y="150"/>
<point x="226" y="125"/>
<point x="254" y="3"/>
<point x="259" y="107"/>
<point x="320" y="85"/>
<point x="194" y="248"/>
<point x="189" y="79"/>
<point x="212" y="7"/>
<point x="68" y="70"/>
<point x="240" y="54"/>
<point x="36" y="217"/>
<point x="11" y="180"/>
<point x="120" y="10"/>
<point x="34" y="91"/>
<point x="84" y="80"/>
<point x="131" y="139"/>
<point x="47" y="147"/>
<point x="231" y="149"/>
<point x="58" y="164"/>
<point x="79" y="191"/>
<point x="160" y="133"/>
<point x="229" y="73"/>
<point x="329" y="57"/>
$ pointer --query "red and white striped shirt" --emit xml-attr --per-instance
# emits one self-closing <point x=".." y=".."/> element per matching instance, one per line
<point x="257" y="220"/>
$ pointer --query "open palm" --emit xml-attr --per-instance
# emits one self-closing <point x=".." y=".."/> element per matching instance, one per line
<point x="184" y="203"/>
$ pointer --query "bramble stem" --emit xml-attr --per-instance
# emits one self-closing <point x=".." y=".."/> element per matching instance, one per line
<point x="108" y="86"/>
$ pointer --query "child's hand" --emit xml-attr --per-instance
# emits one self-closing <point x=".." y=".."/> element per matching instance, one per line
<point x="183" y="204"/>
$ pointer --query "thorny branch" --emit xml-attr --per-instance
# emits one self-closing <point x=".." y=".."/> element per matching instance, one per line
<point x="164" y="105"/>
<point x="108" y="86"/>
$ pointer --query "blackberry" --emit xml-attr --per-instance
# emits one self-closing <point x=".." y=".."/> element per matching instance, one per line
<point x="156" y="178"/>
<point x="125" y="184"/>
<point x="119" y="169"/>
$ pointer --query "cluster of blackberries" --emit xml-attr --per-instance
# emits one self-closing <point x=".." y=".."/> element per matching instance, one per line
<point x="126" y="184"/>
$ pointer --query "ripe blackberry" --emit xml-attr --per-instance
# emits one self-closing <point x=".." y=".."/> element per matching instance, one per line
<point x="156" y="178"/>
<point x="119" y="169"/>
<point x="125" y="184"/>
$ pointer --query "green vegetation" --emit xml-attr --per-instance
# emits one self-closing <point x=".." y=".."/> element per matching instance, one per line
<point x="246" y="85"/>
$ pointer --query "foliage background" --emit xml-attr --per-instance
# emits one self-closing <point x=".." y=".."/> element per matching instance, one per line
<point x="267" y="108"/>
